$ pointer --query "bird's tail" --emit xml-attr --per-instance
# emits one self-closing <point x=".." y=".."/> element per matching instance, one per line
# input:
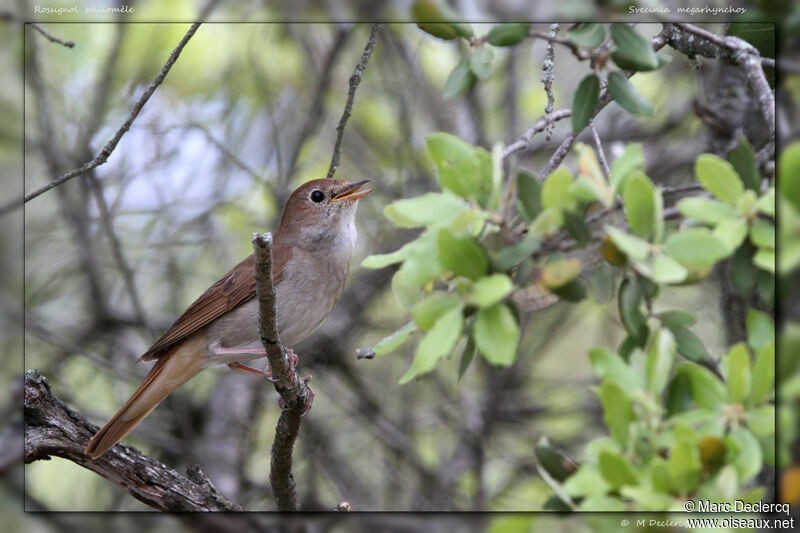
<point x="171" y="370"/>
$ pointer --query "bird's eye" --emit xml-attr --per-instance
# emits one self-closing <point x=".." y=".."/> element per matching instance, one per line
<point x="317" y="196"/>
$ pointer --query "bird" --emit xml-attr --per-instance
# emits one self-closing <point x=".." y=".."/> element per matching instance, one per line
<point x="311" y="258"/>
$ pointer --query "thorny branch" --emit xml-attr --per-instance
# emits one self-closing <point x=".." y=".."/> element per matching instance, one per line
<point x="109" y="147"/>
<point x="293" y="390"/>
<point x="355" y="80"/>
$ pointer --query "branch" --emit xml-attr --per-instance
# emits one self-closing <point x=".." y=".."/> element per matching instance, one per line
<point x="548" y="67"/>
<point x="109" y="147"/>
<point x="538" y="127"/>
<point x="68" y="44"/>
<point x="294" y="391"/>
<point x="53" y="429"/>
<point x="355" y="80"/>
<point x="563" y="149"/>
<point x="730" y="49"/>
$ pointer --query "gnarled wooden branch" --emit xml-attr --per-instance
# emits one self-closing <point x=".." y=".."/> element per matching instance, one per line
<point x="53" y="429"/>
<point x="293" y="390"/>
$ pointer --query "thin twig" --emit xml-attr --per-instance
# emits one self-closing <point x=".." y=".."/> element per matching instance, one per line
<point x="601" y="155"/>
<point x="315" y="114"/>
<point x="109" y="147"/>
<point x="355" y="80"/>
<point x="537" y="127"/>
<point x="293" y="390"/>
<point x="51" y="38"/>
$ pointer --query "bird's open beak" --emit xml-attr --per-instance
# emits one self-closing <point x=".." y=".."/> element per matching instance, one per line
<point x="352" y="192"/>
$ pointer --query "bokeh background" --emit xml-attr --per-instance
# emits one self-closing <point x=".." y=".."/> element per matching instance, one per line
<point x="247" y="113"/>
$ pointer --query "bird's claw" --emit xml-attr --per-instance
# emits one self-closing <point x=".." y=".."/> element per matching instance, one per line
<point x="309" y="399"/>
<point x="267" y="372"/>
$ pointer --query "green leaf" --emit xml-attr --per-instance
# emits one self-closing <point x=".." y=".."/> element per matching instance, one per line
<point x="430" y="208"/>
<point x="610" y="366"/>
<point x="616" y="470"/>
<point x="436" y="344"/>
<point x="584" y="102"/>
<point x="760" y="329"/>
<point x="558" y="464"/>
<point x="746" y="451"/>
<point x="659" y="361"/>
<point x="490" y="290"/>
<point x="395" y="340"/>
<point x="507" y="34"/>
<point x="546" y="224"/>
<point x="684" y="466"/>
<point x="695" y="248"/>
<point x="480" y="62"/>
<point x="555" y="191"/>
<point x="789" y="165"/>
<point x="731" y="232"/>
<point x="627" y="96"/>
<point x="460" y="79"/>
<point x="679" y="394"/>
<point x="511" y="256"/>
<point x="466" y="357"/>
<point x="765" y="259"/>
<point x="632" y="246"/>
<point x="631" y="160"/>
<point x="617" y="411"/>
<point x="629" y="301"/>
<point x="706" y="210"/>
<point x="636" y="51"/>
<point x="707" y="390"/>
<point x="763" y="374"/>
<point x="719" y="178"/>
<point x="766" y="203"/>
<point x="667" y="270"/>
<point x="640" y="205"/>
<point x="761" y="421"/>
<point x="588" y="35"/>
<point x="461" y="255"/>
<point x="743" y="159"/>
<point x="677" y="318"/>
<point x="529" y="195"/>
<point x="738" y="372"/>
<point x="689" y="345"/>
<point x="626" y="63"/>
<point x="427" y="311"/>
<point x="459" y="167"/>
<point x="496" y="334"/>
<point x="384" y="260"/>
<point x="762" y="233"/>
<point x="577" y="228"/>
<point x="586" y="481"/>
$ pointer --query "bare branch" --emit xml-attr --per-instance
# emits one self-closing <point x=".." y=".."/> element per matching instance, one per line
<point x="68" y="44"/>
<point x="548" y="68"/>
<point x="294" y="391"/>
<point x="601" y="154"/>
<point x="314" y="116"/>
<point x="109" y="147"/>
<point x="355" y="80"/>
<point x="730" y="49"/>
<point x="53" y="429"/>
<point x="537" y="127"/>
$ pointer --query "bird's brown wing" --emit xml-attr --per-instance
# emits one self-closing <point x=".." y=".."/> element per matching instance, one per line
<point x="234" y="289"/>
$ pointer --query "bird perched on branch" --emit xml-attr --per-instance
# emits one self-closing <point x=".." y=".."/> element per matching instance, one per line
<point x="311" y="257"/>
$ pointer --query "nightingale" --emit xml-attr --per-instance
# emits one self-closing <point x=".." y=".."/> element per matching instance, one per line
<point x="311" y="257"/>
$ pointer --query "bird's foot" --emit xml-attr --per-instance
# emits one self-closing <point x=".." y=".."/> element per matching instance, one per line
<point x="267" y="374"/>
<point x="309" y="399"/>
